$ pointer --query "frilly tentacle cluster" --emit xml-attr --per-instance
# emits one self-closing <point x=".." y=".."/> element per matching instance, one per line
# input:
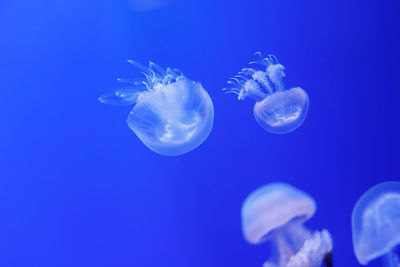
<point x="259" y="81"/>
<point x="155" y="78"/>
<point x="311" y="253"/>
<point x="155" y="75"/>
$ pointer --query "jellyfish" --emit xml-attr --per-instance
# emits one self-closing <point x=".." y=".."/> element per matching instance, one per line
<point x="375" y="224"/>
<point x="276" y="212"/>
<point x="277" y="109"/>
<point x="172" y="114"/>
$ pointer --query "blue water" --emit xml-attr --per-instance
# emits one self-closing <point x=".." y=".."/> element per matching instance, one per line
<point x="78" y="188"/>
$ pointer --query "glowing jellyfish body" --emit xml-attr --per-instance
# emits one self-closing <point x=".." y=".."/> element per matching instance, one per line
<point x="376" y="224"/>
<point x="277" y="109"/>
<point x="276" y="213"/>
<point x="172" y="114"/>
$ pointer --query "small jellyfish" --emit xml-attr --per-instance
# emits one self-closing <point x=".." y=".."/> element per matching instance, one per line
<point x="375" y="223"/>
<point x="276" y="212"/>
<point x="172" y="114"/>
<point x="277" y="109"/>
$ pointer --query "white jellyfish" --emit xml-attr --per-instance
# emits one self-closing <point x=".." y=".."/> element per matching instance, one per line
<point x="375" y="224"/>
<point x="277" y="109"/>
<point x="276" y="213"/>
<point x="172" y="114"/>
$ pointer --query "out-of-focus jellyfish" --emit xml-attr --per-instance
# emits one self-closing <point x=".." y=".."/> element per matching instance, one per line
<point x="277" y="109"/>
<point x="375" y="223"/>
<point x="172" y="114"/>
<point x="276" y="213"/>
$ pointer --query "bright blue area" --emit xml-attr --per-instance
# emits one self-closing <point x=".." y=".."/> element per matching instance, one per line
<point x="78" y="188"/>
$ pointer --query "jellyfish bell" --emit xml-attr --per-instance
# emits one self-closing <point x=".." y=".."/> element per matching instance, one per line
<point x="271" y="207"/>
<point x="174" y="120"/>
<point x="172" y="114"/>
<point x="276" y="213"/>
<point x="376" y="224"/>
<point x="277" y="109"/>
<point x="283" y="111"/>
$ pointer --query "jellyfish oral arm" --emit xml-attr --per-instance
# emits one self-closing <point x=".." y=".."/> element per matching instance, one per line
<point x="313" y="251"/>
<point x="256" y="82"/>
<point x="275" y="73"/>
<point x="298" y="247"/>
<point x="262" y="78"/>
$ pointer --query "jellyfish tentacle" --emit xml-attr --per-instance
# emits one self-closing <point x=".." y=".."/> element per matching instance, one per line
<point x="143" y="68"/>
<point x="257" y="62"/>
<point x="246" y="87"/>
<point x="231" y="89"/>
<point x="270" y="60"/>
<point x="271" y="78"/>
<point x="148" y="86"/>
<point x="232" y="92"/>
<point x="312" y="251"/>
<point x="252" y="88"/>
<point x="265" y="61"/>
<point x="263" y="79"/>
<point x="173" y="72"/>
<point x="171" y="75"/>
<point x="148" y="77"/>
<point x="122" y="96"/>
<point x="240" y="79"/>
<point x="240" y="76"/>
<point x="156" y="67"/>
<point x="275" y="73"/>
<point x="274" y="59"/>
<point x="151" y="77"/>
<point x="237" y="80"/>
<point x="259" y="55"/>
<point x="247" y="71"/>
<point x="168" y="79"/>
<point x="236" y="87"/>
<point x="136" y="82"/>
<point x="178" y="72"/>
<point x="284" y="251"/>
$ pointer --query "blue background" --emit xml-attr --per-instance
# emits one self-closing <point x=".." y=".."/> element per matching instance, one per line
<point x="78" y="188"/>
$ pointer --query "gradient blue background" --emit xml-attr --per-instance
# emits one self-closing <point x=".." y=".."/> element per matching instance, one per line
<point x="78" y="188"/>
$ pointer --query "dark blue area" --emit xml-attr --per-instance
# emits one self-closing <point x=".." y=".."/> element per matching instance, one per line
<point x="78" y="188"/>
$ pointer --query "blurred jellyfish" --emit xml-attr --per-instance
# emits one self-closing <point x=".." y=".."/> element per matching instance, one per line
<point x="276" y="213"/>
<point x="277" y="109"/>
<point x="376" y="224"/>
<point x="172" y="114"/>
